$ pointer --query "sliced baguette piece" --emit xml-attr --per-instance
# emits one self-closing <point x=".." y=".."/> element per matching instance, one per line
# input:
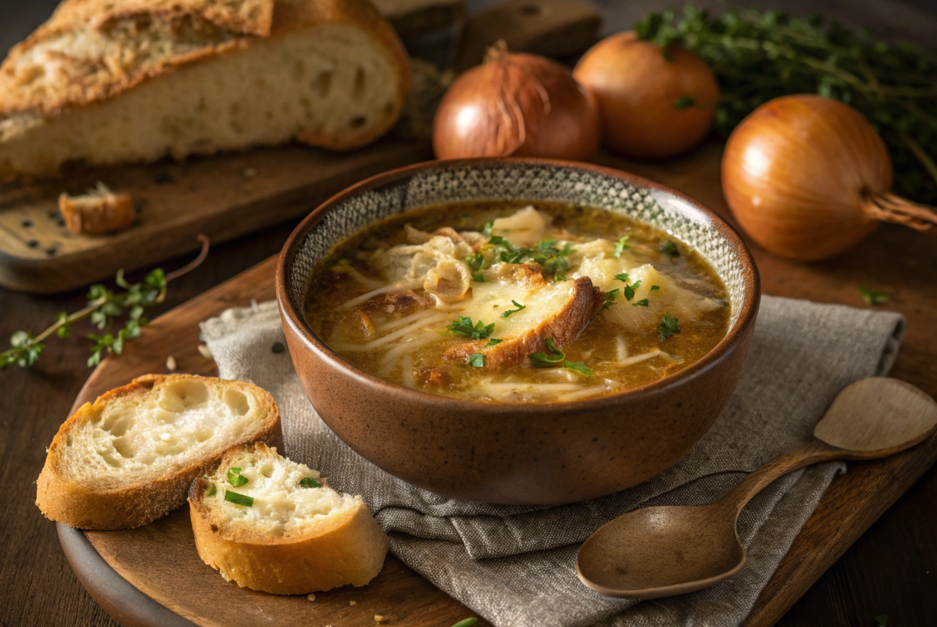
<point x="129" y="458"/>
<point x="291" y="539"/>
<point x="151" y="78"/>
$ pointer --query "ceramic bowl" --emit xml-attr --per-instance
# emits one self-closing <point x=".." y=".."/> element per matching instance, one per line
<point x="547" y="453"/>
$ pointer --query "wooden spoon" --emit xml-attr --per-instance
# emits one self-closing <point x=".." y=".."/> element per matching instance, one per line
<point x="662" y="551"/>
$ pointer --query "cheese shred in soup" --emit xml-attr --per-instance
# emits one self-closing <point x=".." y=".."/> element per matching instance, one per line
<point x="495" y="302"/>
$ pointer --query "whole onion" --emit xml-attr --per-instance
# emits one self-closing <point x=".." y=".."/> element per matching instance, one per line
<point x="808" y="178"/>
<point x="516" y="104"/>
<point x="653" y="101"/>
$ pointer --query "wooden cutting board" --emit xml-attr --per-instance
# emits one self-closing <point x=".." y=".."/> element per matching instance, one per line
<point x="153" y="575"/>
<point x="225" y="196"/>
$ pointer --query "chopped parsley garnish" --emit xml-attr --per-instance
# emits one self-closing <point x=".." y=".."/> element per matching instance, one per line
<point x="623" y="277"/>
<point x="235" y="478"/>
<point x="213" y="491"/>
<point x="546" y="253"/>
<point x="579" y="367"/>
<point x="558" y="277"/>
<point x="493" y="342"/>
<point x="468" y="622"/>
<point x="488" y="226"/>
<point x="309" y="482"/>
<point x="508" y="312"/>
<point x="670" y="249"/>
<point x="621" y="245"/>
<point x="874" y="297"/>
<point x="610" y="298"/>
<point x="478" y="277"/>
<point x="668" y="327"/>
<point x="553" y="356"/>
<point x="641" y="303"/>
<point x="655" y="287"/>
<point x="629" y="290"/>
<point x="239" y="499"/>
<point x="464" y="326"/>
<point x="477" y="360"/>
<point x="475" y="262"/>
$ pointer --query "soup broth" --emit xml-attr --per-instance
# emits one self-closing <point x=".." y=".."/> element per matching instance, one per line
<point x="517" y="302"/>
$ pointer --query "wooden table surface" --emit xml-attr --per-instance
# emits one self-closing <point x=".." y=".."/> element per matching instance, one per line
<point x="891" y="570"/>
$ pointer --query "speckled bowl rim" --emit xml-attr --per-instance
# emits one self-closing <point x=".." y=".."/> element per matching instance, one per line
<point x="294" y="316"/>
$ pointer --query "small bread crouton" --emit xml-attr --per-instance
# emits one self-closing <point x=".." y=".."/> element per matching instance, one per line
<point x="98" y="211"/>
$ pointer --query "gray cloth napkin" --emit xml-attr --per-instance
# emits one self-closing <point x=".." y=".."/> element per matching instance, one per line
<point x="515" y="565"/>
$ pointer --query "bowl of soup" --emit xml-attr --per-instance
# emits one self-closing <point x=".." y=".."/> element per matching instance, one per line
<point x="517" y="331"/>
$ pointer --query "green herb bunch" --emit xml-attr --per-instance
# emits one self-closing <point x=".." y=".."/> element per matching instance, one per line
<point x="104" y="307"/>
<point x="760" y="56"/>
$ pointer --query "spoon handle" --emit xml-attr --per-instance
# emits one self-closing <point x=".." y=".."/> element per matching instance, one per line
<point x="811" y="453"/>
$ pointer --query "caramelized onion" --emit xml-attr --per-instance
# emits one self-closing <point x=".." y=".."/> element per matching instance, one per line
<point x="653" y="101"/>
<point x="808" y="178"/>
<point x="516" y="104"/>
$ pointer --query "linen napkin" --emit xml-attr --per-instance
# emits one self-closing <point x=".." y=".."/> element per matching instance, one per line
<point x="515" y="565"/>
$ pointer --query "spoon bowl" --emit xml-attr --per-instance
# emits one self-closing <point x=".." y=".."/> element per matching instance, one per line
<point x="662" y="551"/>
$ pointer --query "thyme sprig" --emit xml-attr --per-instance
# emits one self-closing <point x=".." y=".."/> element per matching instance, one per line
<point x="758" y="56"/>
<point x="104" y="307"/>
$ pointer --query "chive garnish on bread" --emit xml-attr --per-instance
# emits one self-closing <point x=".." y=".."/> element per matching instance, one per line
<point x="275" y="525"/>
<point x="129" y="457"/>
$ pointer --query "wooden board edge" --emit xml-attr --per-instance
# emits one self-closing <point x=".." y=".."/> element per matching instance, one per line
<point x="120" y="599"/>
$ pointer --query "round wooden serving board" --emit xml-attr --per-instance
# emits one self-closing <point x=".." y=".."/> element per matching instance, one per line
<point x="152" y="576"/>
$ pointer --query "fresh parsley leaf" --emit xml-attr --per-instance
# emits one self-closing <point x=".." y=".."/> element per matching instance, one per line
<point x="477" y="360"/>
<point x="655" y="287"/>
<point x="874" y="297"/>
<point x="558" y="277"/>
<point x="493" y="342"/>
<point x="622" y="245"/>
<point x="641" y="303"/>
<point x="213" y="491"/>
<point x="508" y="312"/>
<point x="668" y="327"/>
<point x="309" y="482"/>
<point x="623" y="277"/>
<point x="629" y="290"/>
<point x="475" y="262"/>
<point x="553" y="356"/>
<point x="488" y="226"/>
<point x="464" y="326"/>
<point x="670" y="249"/>
<point x="478" y="277"/>
<point x="610" y="298"/>
<point x="579" y="367"/>
<point x="240" y="499"/>
<point x="235" y="478"/>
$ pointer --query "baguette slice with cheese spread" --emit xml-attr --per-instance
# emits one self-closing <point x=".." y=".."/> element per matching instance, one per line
<point x="129" y="457"/>
<point x="274" y="525"/>
<point x="113" y="81"/>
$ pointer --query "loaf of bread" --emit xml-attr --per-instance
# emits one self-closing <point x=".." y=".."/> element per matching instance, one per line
<point x="274" y="525"/>
<point x="129" y="458"/>
<point x="111" y="81"/>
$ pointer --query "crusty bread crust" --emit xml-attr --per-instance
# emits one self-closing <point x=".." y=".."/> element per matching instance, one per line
<point x="78" y="504"/>
<point x="338" y="549"/>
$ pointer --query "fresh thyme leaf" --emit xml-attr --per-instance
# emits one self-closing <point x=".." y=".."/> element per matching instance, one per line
<point x="668" y="327"/>
<point x="629" y="289"/>
<point x="874" y="297"/>
<point x="508" y="312"/>
<point x="235" y="478"/>
<point x="759" y="56"/>
<point x="493" y="342"/>
<point x="670" y="249"/>
<point x="465" y="327"/>
<point x="622" y="245"/>
<point x="579" y="367"/>
<point x="240" y="499"/>
<point x="553" y="356"/>
<point x="477" y="360"/>
<point x="684" y="102"/>
<point x="641" y="303"/>
<point x="309" y="482"/>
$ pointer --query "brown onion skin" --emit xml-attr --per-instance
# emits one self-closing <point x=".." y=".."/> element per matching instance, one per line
<point x="636" y="88"/>
<point x="569" y="130"/>
<point x="797" y="171"/>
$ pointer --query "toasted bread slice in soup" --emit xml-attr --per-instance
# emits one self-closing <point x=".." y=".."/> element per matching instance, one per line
<point x="129" y="457"/>
<point x="112" y="81"/>
<point x="275" y="525"/>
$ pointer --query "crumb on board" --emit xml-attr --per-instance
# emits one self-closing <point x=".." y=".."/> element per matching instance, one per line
<point x="311" y="596"/>
<point x="204" y="351"/>
<point x="378" y="618"/>
<point x="100" y="210"/>
<point x="352" y="602"/>
<point x="171" y="363"/>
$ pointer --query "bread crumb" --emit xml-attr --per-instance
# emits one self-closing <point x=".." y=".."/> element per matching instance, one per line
<point x="204" y="351"/>
<point x="98" y="211"/>
<point x="352" y="602"/>
<point x="250" y="172"/>
<point x="171" y="363"/>
<point x="378" y="618"/>
<point x="311" y="596"/>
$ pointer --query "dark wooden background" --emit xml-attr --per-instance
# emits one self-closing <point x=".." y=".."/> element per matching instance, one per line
<point x="891" y="570"/>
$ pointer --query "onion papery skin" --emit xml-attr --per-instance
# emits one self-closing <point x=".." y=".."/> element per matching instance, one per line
<point x="519" y="104"/>
<point x="637" y="87"/>
<point x="797" y="172"/>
